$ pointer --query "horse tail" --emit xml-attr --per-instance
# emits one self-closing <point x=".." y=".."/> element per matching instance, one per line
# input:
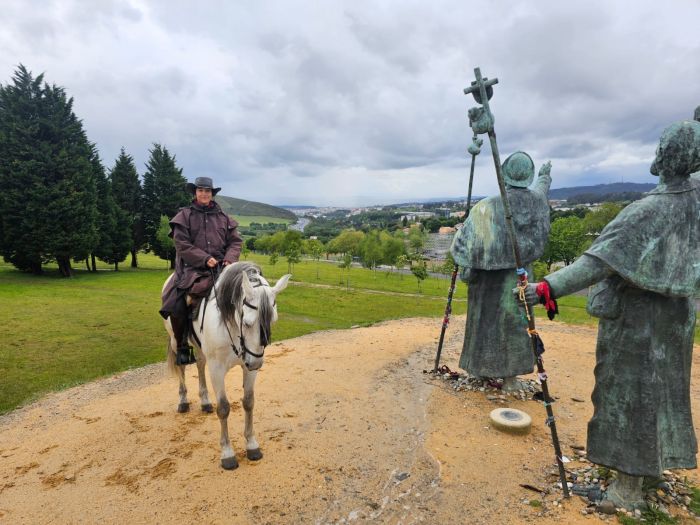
<point x="172" y="367"/>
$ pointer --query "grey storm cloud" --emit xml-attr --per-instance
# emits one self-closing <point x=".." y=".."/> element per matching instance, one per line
<point x="329" y="102"/>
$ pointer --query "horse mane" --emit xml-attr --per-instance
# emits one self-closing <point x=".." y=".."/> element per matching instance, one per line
<point x="265" y="312"/>
<point x="230" y="285"/>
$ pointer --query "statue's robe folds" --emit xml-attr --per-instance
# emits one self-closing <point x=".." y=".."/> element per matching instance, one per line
<point x="496" y="343"/>
<point x="642" y="422"/>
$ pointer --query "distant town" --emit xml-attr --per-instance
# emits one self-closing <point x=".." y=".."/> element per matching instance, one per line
<point x="441" y="218"/>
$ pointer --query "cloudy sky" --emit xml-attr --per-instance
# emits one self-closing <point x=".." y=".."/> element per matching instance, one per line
<point x="360" y="102"/>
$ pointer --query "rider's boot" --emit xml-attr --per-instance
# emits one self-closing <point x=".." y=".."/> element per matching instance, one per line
<point x="185" y="355"/>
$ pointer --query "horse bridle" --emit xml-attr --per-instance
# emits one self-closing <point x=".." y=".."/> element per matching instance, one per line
<point x="241" y="338"/>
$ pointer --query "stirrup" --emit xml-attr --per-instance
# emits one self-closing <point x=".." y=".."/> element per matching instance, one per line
<point x="184" y="356"/>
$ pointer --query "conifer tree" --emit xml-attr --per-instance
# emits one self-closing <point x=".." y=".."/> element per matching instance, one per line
<point x="127" y="193"/>
<point x="113" y="224"/>
<point x="48" y="199"/>
<point x="164" y="193"/>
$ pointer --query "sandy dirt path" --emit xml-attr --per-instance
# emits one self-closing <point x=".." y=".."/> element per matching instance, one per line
<point x="351" y="429"/>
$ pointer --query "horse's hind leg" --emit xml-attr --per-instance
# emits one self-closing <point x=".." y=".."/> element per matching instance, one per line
<point x="203" y="392"/>
<point x="217" y="374"/>
<point x="253" y="451"/>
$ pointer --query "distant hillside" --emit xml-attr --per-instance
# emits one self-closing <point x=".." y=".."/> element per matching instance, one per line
<point x="600" y="189"/>
<point x="240" y="207"/>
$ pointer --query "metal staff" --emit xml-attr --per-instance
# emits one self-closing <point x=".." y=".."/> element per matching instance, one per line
<point x="482" y="121"/>
<point x="474" y="149"/>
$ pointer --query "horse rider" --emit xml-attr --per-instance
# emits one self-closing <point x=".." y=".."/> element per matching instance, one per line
<point x="205" y="237"/>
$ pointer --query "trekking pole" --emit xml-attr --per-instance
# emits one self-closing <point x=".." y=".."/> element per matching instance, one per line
<point x="474" y="149"/>
<point x="481" y="121"/>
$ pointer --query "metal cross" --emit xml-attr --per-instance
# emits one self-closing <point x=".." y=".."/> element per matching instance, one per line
<point x="481" y="88"/>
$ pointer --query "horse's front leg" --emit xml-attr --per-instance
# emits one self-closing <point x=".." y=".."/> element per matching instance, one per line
<point x="203" y="393"/>
<point x="184" y="405"/>
<point x="252" y="451"/>
<point x="179" y="370"/>
<point x="217" y="373"/>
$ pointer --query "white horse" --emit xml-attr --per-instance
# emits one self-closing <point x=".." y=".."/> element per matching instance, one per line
<point x="232" y="328"/>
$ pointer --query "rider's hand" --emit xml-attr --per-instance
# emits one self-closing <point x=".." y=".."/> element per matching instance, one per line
<point x="211" y="262"/>
<point x="226" y="263"/>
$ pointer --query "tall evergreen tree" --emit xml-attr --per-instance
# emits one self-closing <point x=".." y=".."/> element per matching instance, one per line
<point x="127" y="192"/>
<point x="48" y="199"/>
<point x="164" y="193"/>
<point x="113" y="224"/>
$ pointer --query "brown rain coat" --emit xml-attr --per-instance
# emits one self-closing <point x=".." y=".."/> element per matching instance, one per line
<point x="199" y="233"/>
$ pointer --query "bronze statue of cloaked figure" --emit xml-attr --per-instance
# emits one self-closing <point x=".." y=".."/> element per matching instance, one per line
<point x="496" y="342"/>
<point x="646" y="269"/>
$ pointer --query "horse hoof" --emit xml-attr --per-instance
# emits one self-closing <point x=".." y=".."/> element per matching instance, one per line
<point x="207" y="408"/>
<point x="183" y="407"/>
<point x="229" y="463"/>
<point x="254" y="455"/>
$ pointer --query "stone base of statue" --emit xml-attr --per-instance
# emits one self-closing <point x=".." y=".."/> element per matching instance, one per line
<point x="626" y="492"/>
<point x="513" y="384"/>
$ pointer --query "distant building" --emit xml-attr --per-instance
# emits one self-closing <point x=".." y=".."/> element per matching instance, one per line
<point x="446" y="229"/>
<point x="459" y="214"/>
<point x="415" y="215"/>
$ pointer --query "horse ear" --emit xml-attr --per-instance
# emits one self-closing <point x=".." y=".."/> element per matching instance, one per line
<point x="248" y="291"/>
<point x="281" y="284"/>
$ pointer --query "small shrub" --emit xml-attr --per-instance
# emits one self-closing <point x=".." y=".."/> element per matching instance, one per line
<point x="604" y="473"/>
<point x="654" y="516"/>
<point x="539" y="270"/>
<point x="695" y="501"/>
<point x="624" y="519"/>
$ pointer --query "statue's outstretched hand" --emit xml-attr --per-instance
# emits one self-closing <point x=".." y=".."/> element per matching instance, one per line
<point x="535" y="293"/>
<point x="545" y="169"/>
<point x="529" y="294"/>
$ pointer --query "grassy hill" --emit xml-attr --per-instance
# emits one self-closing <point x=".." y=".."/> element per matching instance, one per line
<point x="241" y="208"/>
<point x="601" y="189"/>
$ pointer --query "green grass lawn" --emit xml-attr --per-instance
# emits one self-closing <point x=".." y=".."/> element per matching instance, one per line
<point x="328" y="273"/>
<point x="60" y="332"/>
<point x="245" y="220"/>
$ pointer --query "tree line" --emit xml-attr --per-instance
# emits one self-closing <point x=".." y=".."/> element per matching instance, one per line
<point x="372" y="248"/>
<point x="592" y="198"/>
<point x="572" y="233"/>
<point x="58" y="201"/>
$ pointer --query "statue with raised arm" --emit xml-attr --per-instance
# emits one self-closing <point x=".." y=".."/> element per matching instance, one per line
<point x="646" y="269"/>
<point x="496" y="342"/>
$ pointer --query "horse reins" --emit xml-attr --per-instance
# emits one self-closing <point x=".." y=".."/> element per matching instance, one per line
<point x="244" y="348"/>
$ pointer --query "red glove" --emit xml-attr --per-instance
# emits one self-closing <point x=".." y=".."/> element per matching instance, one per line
<point x="547" y="299"/>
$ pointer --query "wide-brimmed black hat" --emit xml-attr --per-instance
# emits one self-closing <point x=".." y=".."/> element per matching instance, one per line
<point x="202" y="182"/>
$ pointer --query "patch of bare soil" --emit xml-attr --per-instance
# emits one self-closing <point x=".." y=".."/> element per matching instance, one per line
<point x="351" y="428"/>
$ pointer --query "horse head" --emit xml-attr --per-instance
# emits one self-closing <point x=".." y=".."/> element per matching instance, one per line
<point x="254" y="311"/>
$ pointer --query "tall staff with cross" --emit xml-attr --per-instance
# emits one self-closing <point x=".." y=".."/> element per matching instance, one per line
<point x="482" y="121"/>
